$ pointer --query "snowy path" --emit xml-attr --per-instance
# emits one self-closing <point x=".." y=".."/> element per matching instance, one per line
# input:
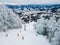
<point x="29" y="35"/>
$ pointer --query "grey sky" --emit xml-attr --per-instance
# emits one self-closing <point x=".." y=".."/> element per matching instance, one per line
<point x="31" y="1"/>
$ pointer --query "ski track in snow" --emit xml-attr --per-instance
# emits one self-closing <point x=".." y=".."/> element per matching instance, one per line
<point x="29" y="35"/>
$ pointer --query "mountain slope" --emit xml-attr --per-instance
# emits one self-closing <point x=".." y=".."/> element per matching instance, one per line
<point x="8" y="20"/>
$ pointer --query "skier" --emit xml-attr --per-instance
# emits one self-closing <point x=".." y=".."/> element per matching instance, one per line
<point x="23" y="37"/>
<point x="17" y="34"/>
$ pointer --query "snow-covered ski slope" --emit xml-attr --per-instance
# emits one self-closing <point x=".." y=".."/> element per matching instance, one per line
<point x="21" y="37"/>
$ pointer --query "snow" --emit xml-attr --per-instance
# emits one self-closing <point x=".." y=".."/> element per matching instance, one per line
<point x="29" y="35"/>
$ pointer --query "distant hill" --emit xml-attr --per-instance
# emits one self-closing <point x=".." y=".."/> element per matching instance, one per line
<point x="33" y="6"/>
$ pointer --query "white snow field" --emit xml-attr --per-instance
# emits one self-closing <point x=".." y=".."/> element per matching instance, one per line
<point x="29" y="37"/>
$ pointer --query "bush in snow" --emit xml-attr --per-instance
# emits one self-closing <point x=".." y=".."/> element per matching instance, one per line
<point x="8" y="20"/>
<point x="41" y="26"/>
<point x="47" y="27"/>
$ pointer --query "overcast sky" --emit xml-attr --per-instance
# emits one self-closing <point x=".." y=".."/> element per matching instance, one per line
<point x="31" y="1"/>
